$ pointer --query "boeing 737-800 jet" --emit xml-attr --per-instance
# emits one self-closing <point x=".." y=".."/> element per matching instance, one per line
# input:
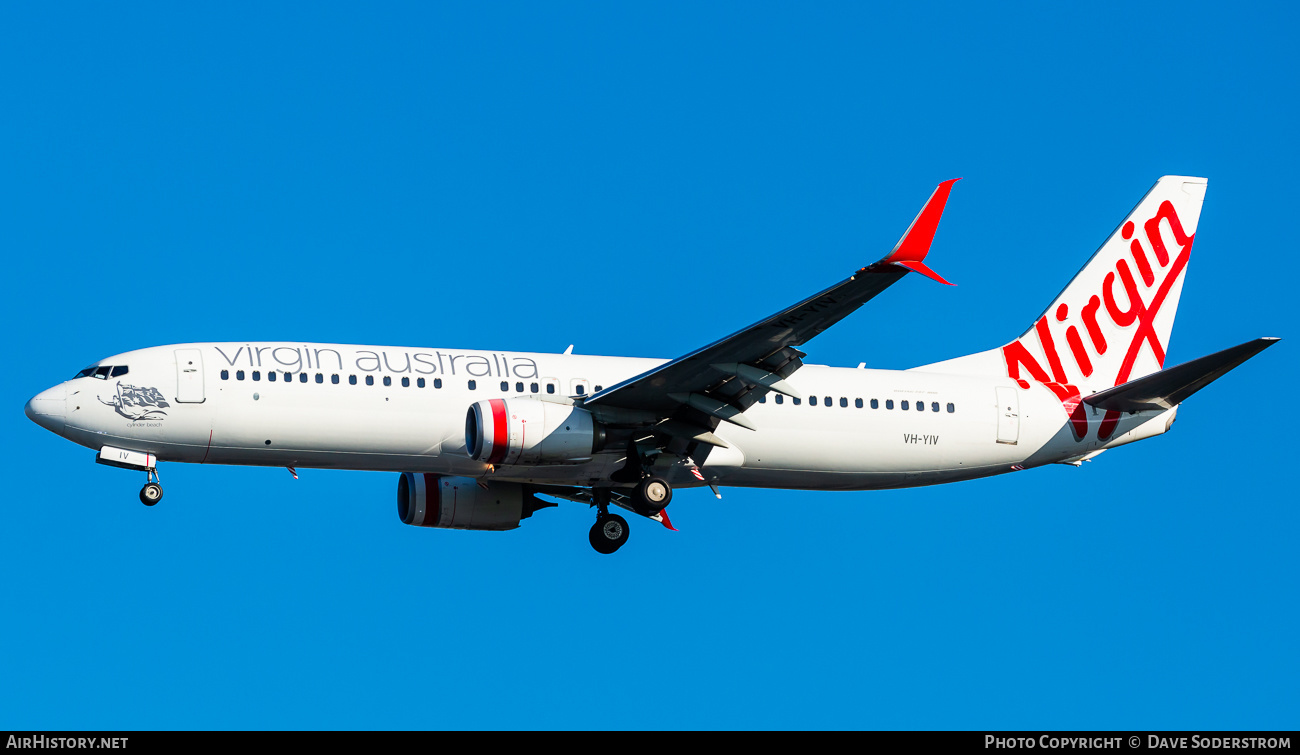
<point x="477" y="436"/>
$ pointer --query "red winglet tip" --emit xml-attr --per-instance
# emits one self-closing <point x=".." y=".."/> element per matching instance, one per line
<point x="920" y="267"/>
<point x="915" y="243"/>
<point x="663" y="515"/>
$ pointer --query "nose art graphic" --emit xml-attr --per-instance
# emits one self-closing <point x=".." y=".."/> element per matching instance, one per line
<point x="137" y="404"/>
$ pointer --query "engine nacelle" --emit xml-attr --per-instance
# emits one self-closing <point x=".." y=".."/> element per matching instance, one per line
<point x="458" y="503"/>
<point x="528" y="431"/>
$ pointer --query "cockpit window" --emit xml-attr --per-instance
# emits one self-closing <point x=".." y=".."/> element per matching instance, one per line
<point x="102" y="371"/>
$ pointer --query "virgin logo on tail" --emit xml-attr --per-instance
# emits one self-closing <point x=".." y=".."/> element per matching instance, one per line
<point x="1126" y="306"/>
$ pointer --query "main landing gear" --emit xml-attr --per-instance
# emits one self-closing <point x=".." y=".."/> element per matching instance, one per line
<point x="152" y="491"/>
<point x="608" y="533"/>
<point x="610" y="530"/>
<point x="652" y="495"/>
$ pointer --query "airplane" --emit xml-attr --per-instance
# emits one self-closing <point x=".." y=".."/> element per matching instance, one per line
<point x="484" y="439"/>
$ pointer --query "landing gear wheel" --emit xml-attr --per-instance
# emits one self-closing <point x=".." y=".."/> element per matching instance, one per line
<point x="151" y="493"/>
<point x="652" y="495"/>
<point x="608" y="533"/>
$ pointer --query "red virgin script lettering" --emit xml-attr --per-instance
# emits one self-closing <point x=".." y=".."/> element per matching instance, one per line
<point x="1138" y="319"/>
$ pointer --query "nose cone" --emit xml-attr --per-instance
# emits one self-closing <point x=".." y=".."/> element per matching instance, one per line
<point x="49" y="408"/>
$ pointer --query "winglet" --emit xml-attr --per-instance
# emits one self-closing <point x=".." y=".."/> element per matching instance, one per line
<point x="919" y="266"/>
<point x="910" y="250"/>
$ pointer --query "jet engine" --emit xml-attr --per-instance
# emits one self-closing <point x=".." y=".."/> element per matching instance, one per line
<point x="528" y="431"/>
<point x="460" y="503"/>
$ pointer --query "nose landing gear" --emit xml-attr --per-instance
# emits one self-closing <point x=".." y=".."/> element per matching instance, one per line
<point x="152" y="491"/>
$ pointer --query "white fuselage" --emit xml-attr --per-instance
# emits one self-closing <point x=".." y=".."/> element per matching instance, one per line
<point x="363" y="407"/>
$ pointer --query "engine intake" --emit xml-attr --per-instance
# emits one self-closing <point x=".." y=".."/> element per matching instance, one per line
<point x="528" y="431"/>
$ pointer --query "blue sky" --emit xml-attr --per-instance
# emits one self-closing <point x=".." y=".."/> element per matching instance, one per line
<point x="525" y="176"/>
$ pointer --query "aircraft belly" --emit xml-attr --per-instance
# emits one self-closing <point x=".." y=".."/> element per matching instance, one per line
<point x="800" y="479"/>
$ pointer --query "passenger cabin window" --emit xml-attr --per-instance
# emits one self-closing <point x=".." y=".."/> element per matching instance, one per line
<point x="903" y="405"/>
<point x="580" y="389"/>
<point x="920" y="406"/>
<point x="845" y="402"/>
<point x="320" y="377"/>
<point x="302" y="377"/>
<point x="829" y="402"/>
<point x="599" y="388"/>
<point x="951" y="408"/>
<point x="532" y="388"/>
<point x="225" y="375"/>
<point x="334" y="379"/>
<point x="352" y="379"/>
<point x="257" y="375"/>
<point x="473" y="385"/>
<point x="762" y="399"/>
<point x="370" y="379"/>
<point x="437" y="382"/>
<point x="550" y="387"/>
<point x="875" y="403"/>
<point x="780" y="399"/>
<point x="889" y="403"/>
<point x="239" y="374"/>
<point x="419" y="382"/>
<point x="288" y="377"/>
<point x="795" y="401"/>
<point x="505" y="386"/>
<point x="270" y="376"/>
<point x="519" y="387"/>
<point x="388" y="380"/>
<point x="934" y="406"/>
<point x="812" y="401"/>
<point x="406" y="382"/>
<point x="857" y="402"/>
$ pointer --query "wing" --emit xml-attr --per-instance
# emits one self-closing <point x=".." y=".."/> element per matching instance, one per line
<point x="720" y="381"/>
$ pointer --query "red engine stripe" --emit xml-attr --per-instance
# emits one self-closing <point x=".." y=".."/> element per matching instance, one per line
<point x="432" y="501"/>
<point x="500" y="432"/>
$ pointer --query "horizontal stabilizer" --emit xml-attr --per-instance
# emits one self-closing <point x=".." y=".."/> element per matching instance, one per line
<point x="1170" y="387"/>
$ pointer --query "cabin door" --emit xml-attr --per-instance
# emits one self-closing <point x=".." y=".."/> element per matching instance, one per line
<point x="1008" y="415"/>
<point x="189" y="376"/>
